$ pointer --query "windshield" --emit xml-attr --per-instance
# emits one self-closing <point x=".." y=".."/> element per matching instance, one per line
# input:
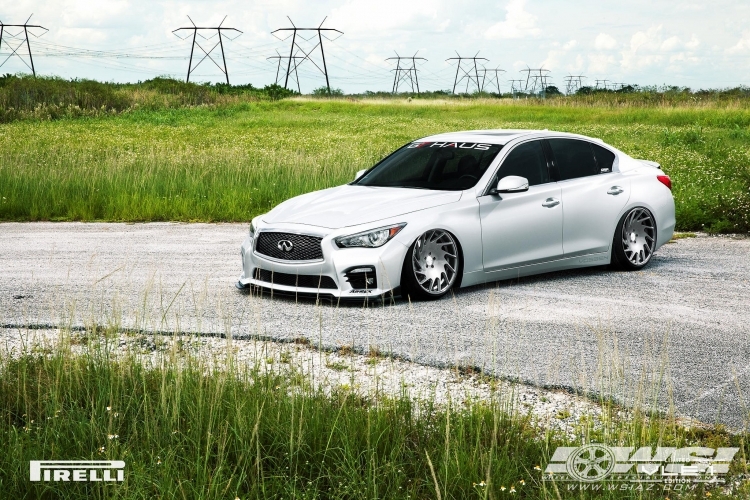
<point x="444" y="166"/>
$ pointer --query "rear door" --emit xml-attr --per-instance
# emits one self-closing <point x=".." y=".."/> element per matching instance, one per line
<point x="522" y="228"/>
<point x="592" y="195"/>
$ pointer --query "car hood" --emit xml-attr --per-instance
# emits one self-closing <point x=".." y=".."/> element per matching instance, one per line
<point x="347" y="205"/>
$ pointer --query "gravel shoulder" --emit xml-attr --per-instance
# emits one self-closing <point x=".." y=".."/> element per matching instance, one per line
<point x="370" y="376"/>
<point x="674" y="334"/>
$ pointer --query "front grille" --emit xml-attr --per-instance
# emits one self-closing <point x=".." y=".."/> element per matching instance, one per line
<point x="297" y="280"/>
<point x="304" y="247"/>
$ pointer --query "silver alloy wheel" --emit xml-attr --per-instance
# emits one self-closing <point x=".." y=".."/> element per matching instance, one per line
<point x="435" y="261"/>
<point x="638" y="234"/>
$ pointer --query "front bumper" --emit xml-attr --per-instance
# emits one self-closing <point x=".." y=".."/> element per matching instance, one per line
<point x="260" y="271"/>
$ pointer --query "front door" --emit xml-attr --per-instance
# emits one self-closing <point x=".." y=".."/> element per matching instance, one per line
<point x="522" y="228"/>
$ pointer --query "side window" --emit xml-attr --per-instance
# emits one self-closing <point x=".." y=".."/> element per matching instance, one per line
<point x="526" y="160"/>
<point x="604" y="158"/>
<point x="573" y="158"/>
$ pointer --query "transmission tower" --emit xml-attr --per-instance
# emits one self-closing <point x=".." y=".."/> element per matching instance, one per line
<point x="603" y="83"/>
<point x="471" y="65"/>
<point x="406" y="72"/>
<point x="26" y="29"/>
<point x="516" y="85"/>
<point x="294" y="60"/>
<point x="198" y="31"/>
<point x="278" y="57"/>
<point x="573" y="83"/>
<point x="536" y="78"/>
<point x="495" y="77"/>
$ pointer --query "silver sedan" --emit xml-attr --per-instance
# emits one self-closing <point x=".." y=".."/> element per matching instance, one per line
<point x="460" y="209"/>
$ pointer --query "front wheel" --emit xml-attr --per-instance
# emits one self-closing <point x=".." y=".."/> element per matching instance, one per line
<point x="432" y="266"/>
<point x="635" y="239"/>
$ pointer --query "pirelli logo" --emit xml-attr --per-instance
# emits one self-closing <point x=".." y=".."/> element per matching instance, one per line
<point x="77" y="470"/>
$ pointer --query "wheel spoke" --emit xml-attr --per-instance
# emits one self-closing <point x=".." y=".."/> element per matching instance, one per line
<point x="435" y="261"/>
<point x="638" y="236"/>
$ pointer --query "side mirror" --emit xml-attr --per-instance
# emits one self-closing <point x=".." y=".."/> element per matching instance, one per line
<point x="511" y="184"/>
<point x="359" y="174"/>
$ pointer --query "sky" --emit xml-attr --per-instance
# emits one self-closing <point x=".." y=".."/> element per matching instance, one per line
<point x="656" y="42"/>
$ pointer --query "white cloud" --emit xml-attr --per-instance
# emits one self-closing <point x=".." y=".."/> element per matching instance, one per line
<point x="556" y="56"/>
<point x="643" y="50"/>
<point x="378" y="17"/>
<point x="693" y="43"/>
<point x="743" y="45"/>
<point x="605" y="42"/>
<point x="670" y="44"/>
<point x="518" y="23"/>
<point x="601" y="63"/>
<point x="650" y="48"/>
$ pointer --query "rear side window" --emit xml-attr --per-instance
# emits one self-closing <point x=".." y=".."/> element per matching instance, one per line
<point x="526" y="160"/>
<point x="574" y="158"/>
<point x="604" y="158"/>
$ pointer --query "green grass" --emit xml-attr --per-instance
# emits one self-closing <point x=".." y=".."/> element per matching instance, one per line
<point x="189" y="430"/>
<point x="232" y="161"/>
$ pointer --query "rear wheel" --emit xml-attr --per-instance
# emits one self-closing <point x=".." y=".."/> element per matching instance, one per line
<point x="635" y="238"/>
<point x="432" y="266"/>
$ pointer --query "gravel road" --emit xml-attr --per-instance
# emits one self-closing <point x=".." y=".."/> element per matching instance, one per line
<point x="674" y="334"/>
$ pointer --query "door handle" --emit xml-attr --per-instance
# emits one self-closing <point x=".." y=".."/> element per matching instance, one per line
<point x="615" y="190"/>
<point x="550" y="202"/>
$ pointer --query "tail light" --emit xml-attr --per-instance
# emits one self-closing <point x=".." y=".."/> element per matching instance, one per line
<point x="664" y="179"/>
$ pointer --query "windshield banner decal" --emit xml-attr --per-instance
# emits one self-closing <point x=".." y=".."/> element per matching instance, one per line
<point x="460" y="145"/>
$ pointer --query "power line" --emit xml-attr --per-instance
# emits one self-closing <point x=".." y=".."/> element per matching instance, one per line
<point x="197" y="31"/>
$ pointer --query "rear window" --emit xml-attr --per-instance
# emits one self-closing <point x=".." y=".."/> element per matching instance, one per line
<point x="445" y="166"/>
<point x="604" y="158"/>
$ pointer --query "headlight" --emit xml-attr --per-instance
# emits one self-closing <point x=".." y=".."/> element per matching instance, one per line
<point x="370" y="239"/>
<point x="253" y="227"/>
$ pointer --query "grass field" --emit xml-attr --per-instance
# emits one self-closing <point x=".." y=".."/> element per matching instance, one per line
<point x="233" y="160"/>
<point x="188" y="427"/>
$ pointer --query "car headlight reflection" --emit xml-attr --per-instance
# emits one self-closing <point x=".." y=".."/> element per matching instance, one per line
<point x="370" y="239"/>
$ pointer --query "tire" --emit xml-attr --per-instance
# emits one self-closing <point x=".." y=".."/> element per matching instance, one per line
<point x="432" y="266"/>
<point x="634" y="240"/>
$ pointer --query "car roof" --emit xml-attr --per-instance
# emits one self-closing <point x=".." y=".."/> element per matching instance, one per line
<point x="496" y="136"/>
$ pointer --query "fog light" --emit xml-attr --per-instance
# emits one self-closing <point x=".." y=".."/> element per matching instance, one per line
<point x="361" y="277"/>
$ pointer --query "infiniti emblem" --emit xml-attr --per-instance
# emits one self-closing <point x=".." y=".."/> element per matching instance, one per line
<point x="285" y="245"/>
